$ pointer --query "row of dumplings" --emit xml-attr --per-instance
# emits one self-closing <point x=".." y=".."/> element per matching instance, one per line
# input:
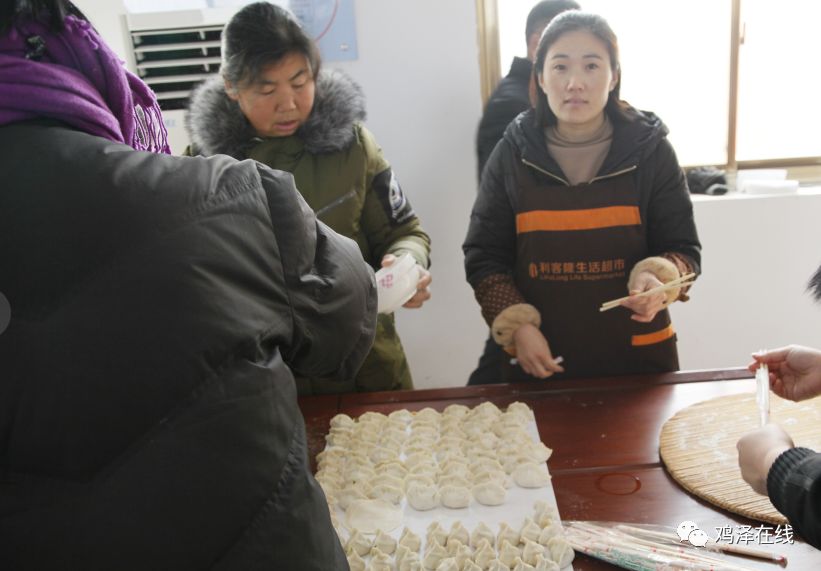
<point x="538" y="545"/>
<point x="432" y="458"/>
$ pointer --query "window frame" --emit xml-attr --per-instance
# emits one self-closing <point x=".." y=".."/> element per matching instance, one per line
<point x="490" y="72"/>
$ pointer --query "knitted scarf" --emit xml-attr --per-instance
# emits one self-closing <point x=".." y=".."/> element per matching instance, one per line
<point x="74" y="77"/>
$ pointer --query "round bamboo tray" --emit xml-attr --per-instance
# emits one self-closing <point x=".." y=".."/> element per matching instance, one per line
<point x="698" y="447"/>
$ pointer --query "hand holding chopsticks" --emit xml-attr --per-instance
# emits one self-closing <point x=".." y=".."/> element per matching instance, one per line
<point x="683" y="281"/>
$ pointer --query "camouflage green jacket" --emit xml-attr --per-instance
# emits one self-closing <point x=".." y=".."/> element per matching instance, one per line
<point x="340" y="171"/>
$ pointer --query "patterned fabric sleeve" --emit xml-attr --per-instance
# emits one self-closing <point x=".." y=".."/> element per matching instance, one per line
<point x="685" y="266"/>
<point x="495" y="293"/>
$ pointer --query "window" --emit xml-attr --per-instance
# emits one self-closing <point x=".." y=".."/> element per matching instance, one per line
<point x="678" y="61"/>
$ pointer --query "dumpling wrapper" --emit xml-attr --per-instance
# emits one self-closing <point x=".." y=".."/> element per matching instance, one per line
<point x="368" y="516"/>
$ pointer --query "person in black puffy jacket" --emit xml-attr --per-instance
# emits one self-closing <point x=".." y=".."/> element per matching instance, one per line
<point x="582" y="201"/>
<point x="153" y="313"/>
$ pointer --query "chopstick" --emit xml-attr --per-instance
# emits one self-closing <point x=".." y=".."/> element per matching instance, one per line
<point x="713" y="545"/>
<point x="614" y="544"/>
<point x="762" y="393"/>
<point x="678" y="282"/>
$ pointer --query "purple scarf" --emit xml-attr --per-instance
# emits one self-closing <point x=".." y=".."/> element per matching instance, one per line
<point x="73" y="76"/>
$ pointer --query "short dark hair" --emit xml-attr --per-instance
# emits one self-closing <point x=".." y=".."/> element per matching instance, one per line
<point x="542" y="13"/>
<point x="52" y="12"/>
<point x="571" y="21"/>
<point x="261" y="34"/>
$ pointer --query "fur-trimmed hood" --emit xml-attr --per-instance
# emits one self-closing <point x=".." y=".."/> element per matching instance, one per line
<point x="216" y="124"/>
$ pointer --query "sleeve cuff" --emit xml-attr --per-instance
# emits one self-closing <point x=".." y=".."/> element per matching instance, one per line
<point x="510" y="319"/>
<point x="663" y="269"/>
<point x="780" y="471"/>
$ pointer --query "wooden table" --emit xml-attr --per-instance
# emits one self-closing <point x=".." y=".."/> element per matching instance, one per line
<point x="604" y="435"/>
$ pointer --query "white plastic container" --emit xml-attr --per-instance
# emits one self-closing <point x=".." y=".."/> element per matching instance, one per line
<point x="753" y="180"/>
<point x="396" y="284"/>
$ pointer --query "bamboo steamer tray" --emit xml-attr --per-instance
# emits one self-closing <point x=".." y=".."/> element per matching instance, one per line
<point x="698" y="448"/>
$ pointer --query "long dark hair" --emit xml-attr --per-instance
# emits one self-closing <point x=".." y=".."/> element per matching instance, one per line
<point x="261" y="34"/>
<point x="572" y="21"/>
<point x="53" y="12"/>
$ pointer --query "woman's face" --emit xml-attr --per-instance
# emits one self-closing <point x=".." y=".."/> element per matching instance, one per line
<point x="577" y="79"/>
<point x="281" y="97"/>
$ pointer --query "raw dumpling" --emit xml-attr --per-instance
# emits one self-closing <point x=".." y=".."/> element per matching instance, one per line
<point x="448" y="564"/>
<point x="422" y="497"/>
<point x="410" y="563"/>
<point x="436" y="534"/>
<point x="519" y="565"/>
<point x="530" y="531"/>
<point x="560" y="551"/>
<point x="508" y="554"/>
<point x="370" y="515"/>
<point x="380" y="561"/>
<point x="355" y="562"/>
<point x="404" y="416"/>
<point x="531" y="475"/>
<point x="458" y="532"/>
<point x="418" y="479"/>
<point x="496" y="565"/>
<point x="463" y="555"/>
<point x="453" y="546"/>
<point x="454" y="497"/>
<point x="545" y="514"/>
<point x="549" y="532"/>
<point x="506" y="533"/>
<point x="456" y="480"/>
<point x="392" y="468"/>
<point x="545" y="564"/>
<point x="358" y="543"/>
<point x="471" y="566"/>
<point x="484" y="554"/>
<point x="480" y="532"/>
<point x="386" y="492"/>
<point x="350" y="495"/>
<point x="384" y="542"/>
<point x="531" y="550"/>
<point x="372" y="416"/>
<point x="456" y="410"/>
<point x="342" y="420"/>
<point x="520" y="408"/>
<point x="410" y="540"/>
<point x="433" y="556"/>
<point x="490" y="494"/>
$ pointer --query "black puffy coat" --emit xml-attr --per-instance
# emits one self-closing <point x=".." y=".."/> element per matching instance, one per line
<point x="148" y="415"/>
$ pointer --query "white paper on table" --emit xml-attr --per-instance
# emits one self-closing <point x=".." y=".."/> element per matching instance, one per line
<point x="518" y="505"/>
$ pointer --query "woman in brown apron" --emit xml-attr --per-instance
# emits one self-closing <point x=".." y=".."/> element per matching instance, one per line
<point x="582" y="200"/>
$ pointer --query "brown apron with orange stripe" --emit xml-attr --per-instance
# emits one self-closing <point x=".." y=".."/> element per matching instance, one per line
<point x="576" y="246"/>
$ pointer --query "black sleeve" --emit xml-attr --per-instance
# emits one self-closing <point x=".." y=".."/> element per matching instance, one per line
<point x="794" y="487"/>
<point x="490" y="245"/>
<point x="331" y="290"/>
<point x="497" y="116"/>
<point x="671" y="224"/>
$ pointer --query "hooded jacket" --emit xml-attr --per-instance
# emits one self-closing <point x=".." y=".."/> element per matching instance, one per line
<point x="640" y="158"/>
<point x="340" y="171"/>
<point x="148" y="414"/>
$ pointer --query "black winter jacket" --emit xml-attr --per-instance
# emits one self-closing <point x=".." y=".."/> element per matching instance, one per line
<point x="511" y="97"/>
<point x="148" y="415"/>
<point x="794" y="487"/>
<point x="639" y="149"/>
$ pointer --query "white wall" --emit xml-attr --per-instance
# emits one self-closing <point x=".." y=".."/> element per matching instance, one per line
<point x="758" y="254"/>
<point x="419" y="68"/>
